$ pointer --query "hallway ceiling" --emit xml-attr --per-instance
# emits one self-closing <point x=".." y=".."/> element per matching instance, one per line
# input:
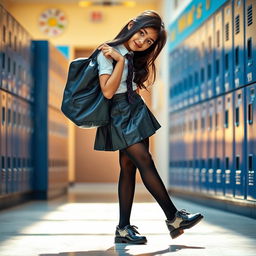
<point x="74" y="1"/>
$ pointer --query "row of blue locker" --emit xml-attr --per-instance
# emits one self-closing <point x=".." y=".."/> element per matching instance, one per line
<point x="16" y="133"/>
<point x="15" y="57"/>
<point x="216" y="58"/>
<point x="213" y="145"/>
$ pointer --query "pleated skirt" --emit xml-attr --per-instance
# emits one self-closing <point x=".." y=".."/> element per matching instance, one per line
<point x="129" y="124"/>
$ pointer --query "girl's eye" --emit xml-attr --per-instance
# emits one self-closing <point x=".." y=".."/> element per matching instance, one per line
<point x="141" y="33"/>
<point x="149" y="42"/>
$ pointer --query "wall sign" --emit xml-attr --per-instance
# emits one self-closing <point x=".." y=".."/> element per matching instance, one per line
<point x="52" y="22"/>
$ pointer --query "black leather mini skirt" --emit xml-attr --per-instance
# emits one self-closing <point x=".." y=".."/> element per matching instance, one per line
<point x="129" y="124"/>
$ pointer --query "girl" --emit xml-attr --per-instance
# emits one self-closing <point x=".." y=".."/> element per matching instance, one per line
<point x="125" y="65"/>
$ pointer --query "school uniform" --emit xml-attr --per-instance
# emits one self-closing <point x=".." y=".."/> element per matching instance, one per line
<point x="129" y="122"/>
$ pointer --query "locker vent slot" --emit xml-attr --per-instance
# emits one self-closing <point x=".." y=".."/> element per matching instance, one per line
<point x="237" y="56"/>
<point x="3" y="115"/>
<point x="196" y="78"/>
<point x="237" y="24"/>
<point x="210" y="121"/>
<point x="227" y="163"/>
<point x="8" y="162"/>
<point x="226" y="118"/>
<point x="3" y="61"/>
<point x="226" y="61"/>
<point x="9" y="65"/>
<point x="249" y="48"/>
<point x="217" y="163"/>
<point x="202" y="75"/>
<point x="217" y="67"/>
<point x="210" y="163"/>
<point x="10" y="39"/>
<point x="237" y="116"/>
<point x="14" y="68"/>
<point x="195" y="124"/>
<point x="227" y="31"/>
<point x="237" y="162"/>
<point x="15" y="43"/>
<point x="249" y="15"/>
<point x="202" y="123"/>
<point x="218" y="38"/>
<point x="217" y="120"/>
<point x="4" y="33"/>
<point x="250" y="113"/>
<point x="3" y="162"/>
<point x="209" y="71"/>
<point x="14" y="117"/>
<point x="250" y="162"/>
<point x="9" y="116"/>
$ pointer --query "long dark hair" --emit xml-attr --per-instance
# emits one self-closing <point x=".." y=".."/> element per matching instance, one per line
<point x="144" y="60"/>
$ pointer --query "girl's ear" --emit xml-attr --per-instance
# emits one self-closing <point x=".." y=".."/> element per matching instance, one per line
<point x="130" y="24"/>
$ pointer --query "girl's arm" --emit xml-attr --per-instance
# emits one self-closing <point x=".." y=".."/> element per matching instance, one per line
<point x="110" y="83"/>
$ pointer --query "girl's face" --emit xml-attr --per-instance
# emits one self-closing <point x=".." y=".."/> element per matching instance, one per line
<point x="141" y="40"/>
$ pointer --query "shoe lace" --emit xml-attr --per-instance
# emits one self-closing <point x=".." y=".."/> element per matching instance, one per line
<point x="183" y="211"/>
<point x="134" y="229"/>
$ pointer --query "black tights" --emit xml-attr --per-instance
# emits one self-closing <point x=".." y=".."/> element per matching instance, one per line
<point x="137" y="155"/>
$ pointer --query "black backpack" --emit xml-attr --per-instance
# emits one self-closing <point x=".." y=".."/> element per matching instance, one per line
<point x="83" y="102"/>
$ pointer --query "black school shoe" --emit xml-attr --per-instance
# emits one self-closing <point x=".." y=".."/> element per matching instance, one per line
<point x="129" y="235"/>
<point x="183" y="220"/>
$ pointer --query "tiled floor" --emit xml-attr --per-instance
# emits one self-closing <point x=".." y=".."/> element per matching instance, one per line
<point x="83" y="224"/>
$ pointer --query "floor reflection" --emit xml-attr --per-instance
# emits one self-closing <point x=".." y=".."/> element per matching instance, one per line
<point x="125" y="250"/>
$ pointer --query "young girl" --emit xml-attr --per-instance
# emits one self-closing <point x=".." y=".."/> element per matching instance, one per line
<point x="125" y="65"/>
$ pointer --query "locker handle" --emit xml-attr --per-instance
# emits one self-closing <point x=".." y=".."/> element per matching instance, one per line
<point x="250" y="114"/>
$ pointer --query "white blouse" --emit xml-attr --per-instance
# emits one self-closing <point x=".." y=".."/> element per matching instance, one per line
<point x="105" y="66"/>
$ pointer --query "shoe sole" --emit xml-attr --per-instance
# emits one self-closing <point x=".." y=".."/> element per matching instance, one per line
<point x="179" y="231"/>
<point x="123" y="240"/>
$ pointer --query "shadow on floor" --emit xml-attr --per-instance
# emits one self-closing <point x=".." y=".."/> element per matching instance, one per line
<point x="122" y="250"/>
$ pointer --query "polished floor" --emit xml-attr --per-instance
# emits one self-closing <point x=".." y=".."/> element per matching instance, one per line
<point x="83" y="223"/>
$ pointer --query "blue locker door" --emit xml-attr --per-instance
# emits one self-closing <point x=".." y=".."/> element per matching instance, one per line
<point x="228" y="47"/>
<point x="19" y="144"/>
<point x="9" y="134"/>
<point x="1" y="43"/>
<point x="238" y="21"/>
<point x="3" y="135"/>
<point x="197" y="147"/>
<point x="203" y="145"/>
<point x="218" y="53"/>
<point x="250" y="41"/>
<point x="181" y="154"/>
<point x="191" y="69"/>
<point x="219" y="159"/>
<point x="251" y="142"/>
<point x="185" y="72"/>
<point x="15" y="144"/>
<point x="9" y="52"/>
<point x="202" y="46"/>
<point x="190" y="142"/>
<point x="4" y="75"/>
<point x="196" y="67"/>
<point x="229" y="145"/>
<point x="172" y="142"/>
<point x="211" y="146"/>
<point x="210" y="58"/>
<point x="240" y="142"/>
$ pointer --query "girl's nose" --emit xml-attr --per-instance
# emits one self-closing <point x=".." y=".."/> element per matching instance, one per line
<point x="141" y="41"/>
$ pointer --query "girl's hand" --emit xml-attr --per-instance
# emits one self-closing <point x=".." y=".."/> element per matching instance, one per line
<point x="110" y="52"/>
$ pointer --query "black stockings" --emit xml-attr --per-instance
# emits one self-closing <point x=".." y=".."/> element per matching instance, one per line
<point x="138" y="155"/>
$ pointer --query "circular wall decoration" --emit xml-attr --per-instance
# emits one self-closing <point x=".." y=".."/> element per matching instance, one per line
<point x="52" y="22"/>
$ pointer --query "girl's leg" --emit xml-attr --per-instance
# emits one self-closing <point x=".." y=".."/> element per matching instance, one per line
<point x="141" y="157"/>
<point x="126" y="187"/>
